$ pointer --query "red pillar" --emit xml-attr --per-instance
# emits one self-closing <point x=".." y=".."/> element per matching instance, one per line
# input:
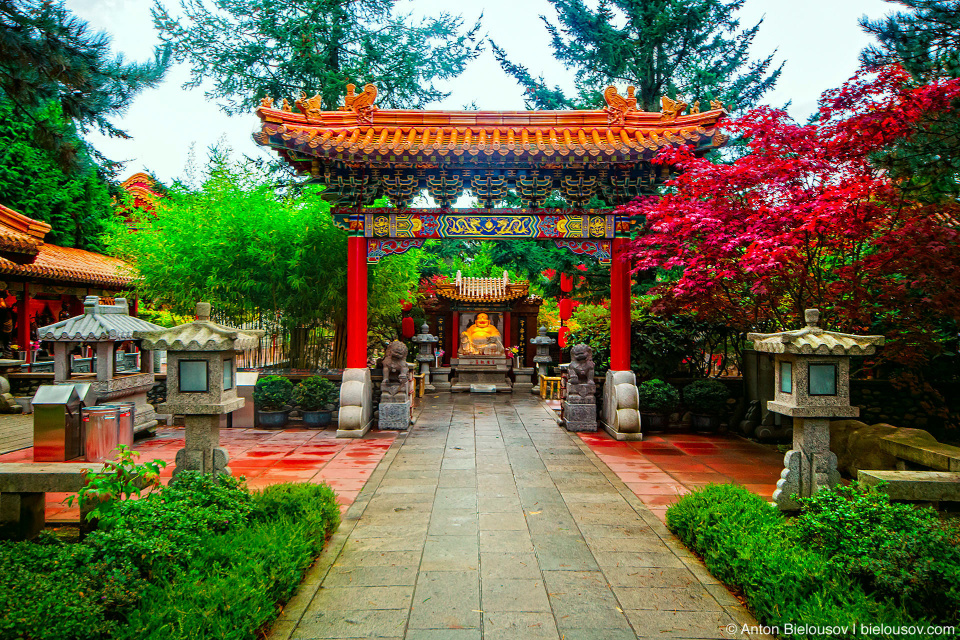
<point x="356" y="302"/>
<point x="23" y="322"/>
<point x="455" y="335"/>
<point x="619" y="307"/>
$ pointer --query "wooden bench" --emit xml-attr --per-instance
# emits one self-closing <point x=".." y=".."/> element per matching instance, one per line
<point x="912" y="451"/>
<point x="23" y="488"/>
<point x="915" y="486"/>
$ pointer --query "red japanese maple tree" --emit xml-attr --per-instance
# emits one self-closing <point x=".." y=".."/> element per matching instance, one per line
<point x="805" y="218"/>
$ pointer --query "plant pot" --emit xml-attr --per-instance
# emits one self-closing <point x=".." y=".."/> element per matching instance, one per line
<point x="273" y="419"/>
<point x="704" y="422"/>
<point x="317" y="419"/>
<point x="654" y="422"/>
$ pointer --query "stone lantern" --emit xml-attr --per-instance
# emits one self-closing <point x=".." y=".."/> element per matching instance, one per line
<point x="425" y="357"/>
<point x="105" y="326"/>
<point x="812" y="385"/>
<point x="542" y="357"/>
<point x="201" y="384"/>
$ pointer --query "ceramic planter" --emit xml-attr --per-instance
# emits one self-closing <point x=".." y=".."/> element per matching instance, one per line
<point x="704" y="422"/>
<point x="317" y="419"/>
<point x="654" y="422"/>
<point x="273" y="419"/>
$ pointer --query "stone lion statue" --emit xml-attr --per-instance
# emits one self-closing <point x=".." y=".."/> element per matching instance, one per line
<point x="581" y="388"/>
<point x="396" y="372"/>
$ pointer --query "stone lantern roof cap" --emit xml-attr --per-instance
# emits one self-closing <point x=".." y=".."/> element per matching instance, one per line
<point x="98" y="323"/>
<point x="201" y="335"/>
<point x="812" y="340"/>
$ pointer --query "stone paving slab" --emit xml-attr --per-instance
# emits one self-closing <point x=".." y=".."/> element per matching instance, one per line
<point x="488" y="521"/>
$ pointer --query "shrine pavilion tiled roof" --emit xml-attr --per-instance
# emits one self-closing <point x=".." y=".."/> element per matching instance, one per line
<point x="143" y="188"/>
<point x="33" y="258"/>
<point x="483" y="289"/>
<point x="382" y="148"/>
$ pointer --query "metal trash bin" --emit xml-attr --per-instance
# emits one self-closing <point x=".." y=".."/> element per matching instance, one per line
<point x="244" y="417"/>
<point x="126" y="416"/>
<point x="56" y="423"/>
<point x="99" y="432"/>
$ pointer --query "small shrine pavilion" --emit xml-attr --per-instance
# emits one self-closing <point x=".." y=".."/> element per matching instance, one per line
<point x="362" y="152"/>
<point x="41" y="283"/>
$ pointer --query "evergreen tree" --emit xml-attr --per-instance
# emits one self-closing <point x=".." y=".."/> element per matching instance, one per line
<point x="255" y="48"/>
<point x="694" y="49"/>
<point x="925" y="40"/>
<point x="49" y="55"/>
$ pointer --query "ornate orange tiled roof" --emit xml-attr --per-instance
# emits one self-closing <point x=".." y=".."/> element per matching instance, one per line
<point x="483" y="289"/>
<point x="23" y="235"/>
<point x="20" y="234"/>
<point x="361" y="131"/>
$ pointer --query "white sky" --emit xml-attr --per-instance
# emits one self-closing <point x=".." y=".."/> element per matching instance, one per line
<point x="818" y="39"/>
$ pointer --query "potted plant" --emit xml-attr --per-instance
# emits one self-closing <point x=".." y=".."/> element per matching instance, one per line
<point x="272" y="397"/>
<point x="706" y="399"/>
<point x="656" y="400"/>
<point x="315" y="397"/>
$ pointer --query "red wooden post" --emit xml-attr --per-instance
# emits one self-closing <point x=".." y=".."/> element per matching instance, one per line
<point x="619" y="307"/>
<point x="356" y="302"/>
<point x="506" y="329"/>
<point x="455" y="335"/>
<point x="23" y="323"/>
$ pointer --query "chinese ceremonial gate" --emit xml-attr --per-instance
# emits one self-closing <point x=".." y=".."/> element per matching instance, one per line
<point x="361" y="153"/>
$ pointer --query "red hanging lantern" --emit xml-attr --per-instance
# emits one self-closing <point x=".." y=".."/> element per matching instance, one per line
<point x="407" y="328"/>
<point x="566" y="283"/>
<point x="406" y="305"/>
<point x="562" y="337"/>
<point x="566" y="309"/>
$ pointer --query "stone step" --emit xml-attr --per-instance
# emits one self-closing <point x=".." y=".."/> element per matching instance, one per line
<point x="922" y="486"/>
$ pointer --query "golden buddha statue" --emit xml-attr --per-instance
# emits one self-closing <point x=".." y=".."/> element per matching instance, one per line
<point x="481" y="338"/>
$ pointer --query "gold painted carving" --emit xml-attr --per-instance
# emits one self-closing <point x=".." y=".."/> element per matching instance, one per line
<point x="266" y="102"/>
<point x="696" y="107"/>
<point x="618" y="106"/>
<point x="310" y="107"/>
<point x="716" y="104"/>
<point x="361" y="103"/>
<point x="670" y="109"/>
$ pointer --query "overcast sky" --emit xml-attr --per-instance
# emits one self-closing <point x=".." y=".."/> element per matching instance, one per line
<point x="818" y="39"/>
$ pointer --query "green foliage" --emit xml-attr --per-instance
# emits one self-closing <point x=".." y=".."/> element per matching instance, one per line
<point x="120" y="479"/>
<point x="250" y="49"/>
<point x="76" y="201"/>
<point x="657" y="396"/>
<point x="162" y="317"/>
<point x="273" y="393"/>
<point x="253" y="250"/>
<point x="679" y="48"/>
<point x="747" y="544"/>
<point x="706" y="396"/>
<point x="201" y="558"/>
<point x="48" y="55"/>
<point x="315" y="393"/>
<point x="896" y="551"/>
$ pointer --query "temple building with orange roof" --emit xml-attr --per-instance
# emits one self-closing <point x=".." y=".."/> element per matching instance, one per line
<point x="41" y="283"/>
<point x="144" y="191"/>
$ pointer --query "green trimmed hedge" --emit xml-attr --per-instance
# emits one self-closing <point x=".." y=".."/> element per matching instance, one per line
<point x="801" y="572"/>
<point x="201" y="558"/>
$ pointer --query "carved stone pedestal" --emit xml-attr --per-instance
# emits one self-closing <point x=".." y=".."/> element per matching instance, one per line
<point x="441" y="378"/>
<point x="621" y="406"/>
<point x="356" y="404"/>
<point x="523" y="379"/>
<point x="485" y="371"/>
<point x="202" y="451"/>
<point x="394" y="416"/>
<point x="579" y="417"/>
<point x="809" y="466"/>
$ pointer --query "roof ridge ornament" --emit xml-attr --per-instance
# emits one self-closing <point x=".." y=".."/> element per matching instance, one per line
<point x="361" y="103"/>
<point x="310" y="107"/>
<point x="670" y="109"/>
<point x="618" y="106"/>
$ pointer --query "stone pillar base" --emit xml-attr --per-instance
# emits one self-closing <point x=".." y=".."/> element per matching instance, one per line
<point x="621" y="406"/>
<point x="809" y="467"/>
<point x="579" y="417"/>
<point x="394" y="416"/>
<point x="356" y="404"/>
<point x="21" y="515"/>
<point x="202" y="451"/>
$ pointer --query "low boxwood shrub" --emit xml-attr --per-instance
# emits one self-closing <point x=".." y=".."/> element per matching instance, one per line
<point x="657" y="396"/>
<point x="706" y="396"/>
<point x="749" y="545"/>
<point x="201" y="558"/>
<point x="273" y="393"/>
<point x="315" y="393"/>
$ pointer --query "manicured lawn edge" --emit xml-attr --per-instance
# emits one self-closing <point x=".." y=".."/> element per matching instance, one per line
<point x="205" y="560"/>
<point x="746" y="543"/>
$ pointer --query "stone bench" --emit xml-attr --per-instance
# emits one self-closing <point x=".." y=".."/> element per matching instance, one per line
<point x="915" y="486"/>
<point x="23" y="488"/>
<point x="923" y="453"/>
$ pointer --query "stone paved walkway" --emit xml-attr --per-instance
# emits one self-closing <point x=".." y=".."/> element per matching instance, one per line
<point x="487" y="520"/>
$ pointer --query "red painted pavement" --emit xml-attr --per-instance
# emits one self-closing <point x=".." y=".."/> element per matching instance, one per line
<point x="665" y="466"/>
<point x="264" y="458"/>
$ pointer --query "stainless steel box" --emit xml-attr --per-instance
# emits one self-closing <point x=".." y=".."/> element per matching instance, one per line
<point x="56" y="423"/>
<point x="243" y="418"/>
